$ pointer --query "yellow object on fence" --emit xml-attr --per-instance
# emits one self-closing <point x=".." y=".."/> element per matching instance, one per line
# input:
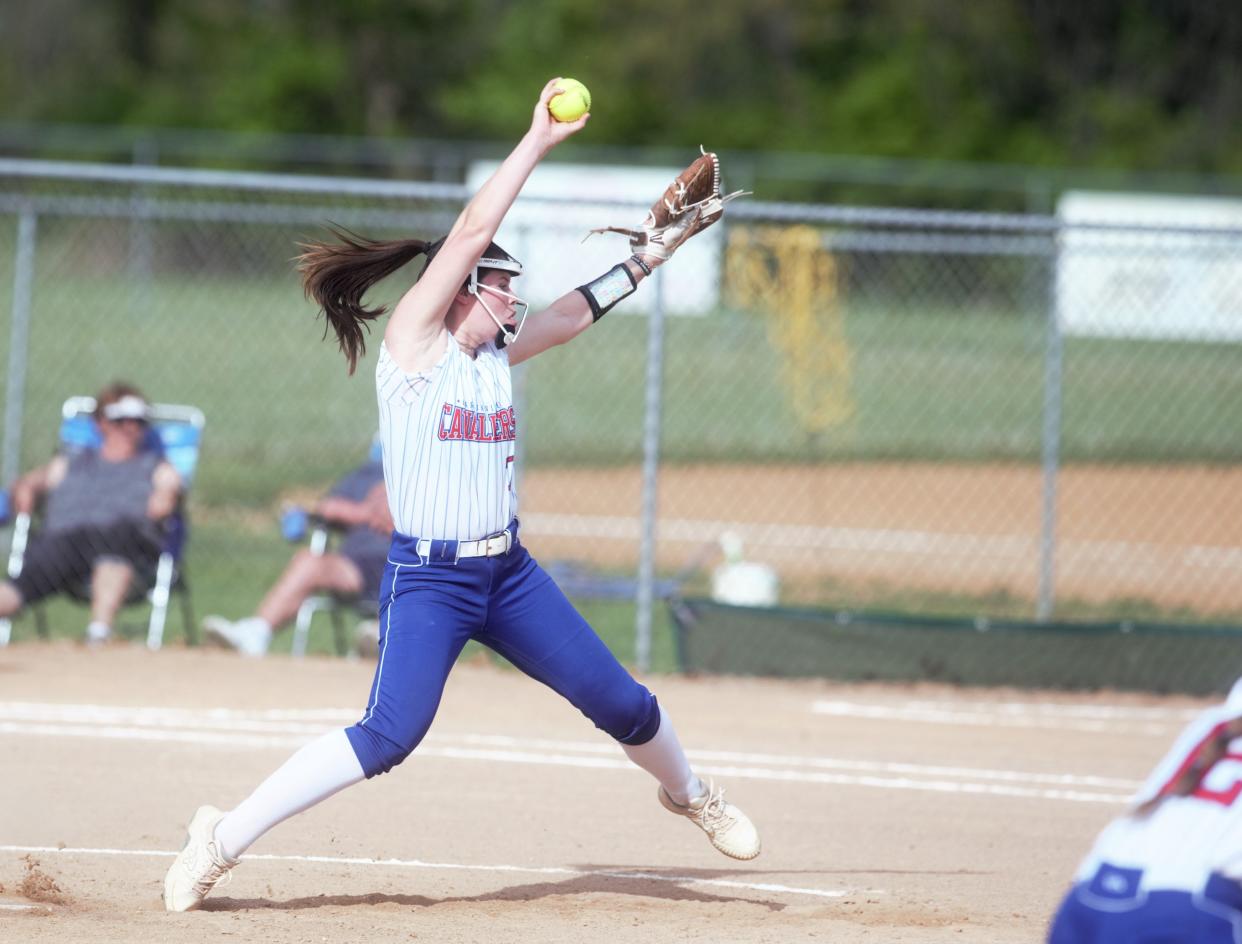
<point x="787" y="273"/>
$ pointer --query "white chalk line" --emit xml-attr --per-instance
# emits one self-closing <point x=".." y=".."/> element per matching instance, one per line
<point x="1060" y="710"/>
<point x="175" y="716"/>
<point x="464" y="867"/>
<point x="238" y="721"/>
<point x="1079" y="718"/>
<point x="79" y="721"/>
<point x="520" y="748"/>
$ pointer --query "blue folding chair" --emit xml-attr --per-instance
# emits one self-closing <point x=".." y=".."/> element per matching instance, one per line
<point x="175" y="431"/>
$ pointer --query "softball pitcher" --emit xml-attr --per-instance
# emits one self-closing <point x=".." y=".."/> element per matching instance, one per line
<point x="1168" y="871"/>
<point x="457" y="569"/>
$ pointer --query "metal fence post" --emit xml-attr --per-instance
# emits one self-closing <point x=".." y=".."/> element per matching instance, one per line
<point x="19" y="341"/>
<point x="1051" y="445"/>
<point x="651" y="472"/>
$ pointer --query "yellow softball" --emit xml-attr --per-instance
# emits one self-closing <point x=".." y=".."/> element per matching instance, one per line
<point x="571" y="102"/>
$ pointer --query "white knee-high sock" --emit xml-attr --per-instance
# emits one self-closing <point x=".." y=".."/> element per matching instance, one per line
<point x="663" y="758"/>
<point x="313" y="774"/>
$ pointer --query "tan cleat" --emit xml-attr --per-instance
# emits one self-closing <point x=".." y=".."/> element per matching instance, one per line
<point x="199" y="865"/>
<point x="728" y="828"/>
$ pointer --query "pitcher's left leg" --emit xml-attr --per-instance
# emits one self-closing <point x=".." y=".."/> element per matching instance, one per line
<point x="533" y="625"/>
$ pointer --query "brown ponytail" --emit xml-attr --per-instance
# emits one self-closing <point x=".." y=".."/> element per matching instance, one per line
<point x="337" y="276"/>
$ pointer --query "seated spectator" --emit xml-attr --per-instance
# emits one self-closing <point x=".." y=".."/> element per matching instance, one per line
<point x="103" y="511"/>
<point x="358" y="503"/>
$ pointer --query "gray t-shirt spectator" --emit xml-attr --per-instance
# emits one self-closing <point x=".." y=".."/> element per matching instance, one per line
<point x="98" y="493"/>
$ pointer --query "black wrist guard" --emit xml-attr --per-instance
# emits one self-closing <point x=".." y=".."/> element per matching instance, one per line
<point x="614" y="285"/>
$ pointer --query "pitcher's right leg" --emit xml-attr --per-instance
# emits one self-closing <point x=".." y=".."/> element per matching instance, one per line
<point x="427" y="614"/>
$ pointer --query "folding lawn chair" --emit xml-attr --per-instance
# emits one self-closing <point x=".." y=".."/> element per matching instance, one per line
<point x="362" y="605"/>
<point x="176" y="432"/>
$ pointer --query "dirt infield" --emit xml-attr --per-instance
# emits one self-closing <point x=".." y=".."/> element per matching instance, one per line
<point x="896" y="814"/>
<point x="1168" y="535"/>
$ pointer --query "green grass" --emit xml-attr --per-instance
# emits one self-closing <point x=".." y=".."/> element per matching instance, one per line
<point x="224" y="326"/>
<point x="234" y="557"/>
<point x="232" y="562"/>
<point x="925" y="384"/>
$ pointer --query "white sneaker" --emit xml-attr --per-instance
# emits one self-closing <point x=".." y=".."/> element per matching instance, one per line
<point x="728" y="828"/>
<point x="250" y="637"/>
<point x="199" y="865"/>
<point x="98" y="633"/>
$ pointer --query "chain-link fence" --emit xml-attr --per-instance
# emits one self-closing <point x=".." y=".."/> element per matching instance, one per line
<point x="935" y="414"/>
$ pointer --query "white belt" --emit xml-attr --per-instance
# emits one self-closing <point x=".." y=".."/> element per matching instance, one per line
<point x="484" y="547"/>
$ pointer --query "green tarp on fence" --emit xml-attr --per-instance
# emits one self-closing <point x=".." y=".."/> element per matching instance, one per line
<point x="715" y="638"/>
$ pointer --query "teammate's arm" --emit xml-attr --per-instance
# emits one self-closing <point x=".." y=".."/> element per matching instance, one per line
<point x="341" y="511"/>
<point x="371" y="511"/>
<point x="417" y="322"/>
<point x="562" y="321"/>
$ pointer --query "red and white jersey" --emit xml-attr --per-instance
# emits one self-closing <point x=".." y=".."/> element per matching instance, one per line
<point x="448" y="436"/>
<point x="1186" y="838"/>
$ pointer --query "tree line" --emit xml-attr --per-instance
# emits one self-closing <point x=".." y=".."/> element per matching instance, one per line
<point x="1109" y="83"/>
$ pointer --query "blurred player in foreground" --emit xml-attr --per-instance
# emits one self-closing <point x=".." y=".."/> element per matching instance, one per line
<point x="456" y="568"/>
<point x="358" y="506"/>
<point x="1168" y="871"/>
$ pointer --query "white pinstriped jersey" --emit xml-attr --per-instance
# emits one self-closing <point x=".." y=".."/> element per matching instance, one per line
<point x="1186" y="838"/>
<point x="448" y="436"/>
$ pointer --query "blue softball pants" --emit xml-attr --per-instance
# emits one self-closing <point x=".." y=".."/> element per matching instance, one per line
<point x="431" y="605"/>
<point x="1111" y="909"/>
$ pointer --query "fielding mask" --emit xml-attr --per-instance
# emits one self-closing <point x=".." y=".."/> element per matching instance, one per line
<point x="505" y="263"/>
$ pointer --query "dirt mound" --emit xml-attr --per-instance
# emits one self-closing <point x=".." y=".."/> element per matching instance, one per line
<point x="38" y="886"/>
